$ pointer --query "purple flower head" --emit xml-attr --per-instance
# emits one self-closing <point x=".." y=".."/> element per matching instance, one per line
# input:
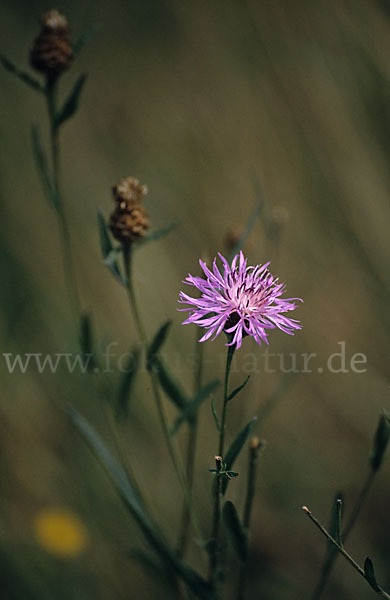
<point x="241" y="301"/>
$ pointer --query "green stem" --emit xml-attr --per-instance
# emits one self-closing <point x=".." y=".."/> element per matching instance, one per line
<point x="331" y="557"/>
<point x="69" y="271"/>
<point x="214" y="552"/>
<point x="254" y="451"/>
<point x="191" y="451"/>
<point x="127" y="257"/>
<point x="229" y="358"/>
<point x="342" y="550"/>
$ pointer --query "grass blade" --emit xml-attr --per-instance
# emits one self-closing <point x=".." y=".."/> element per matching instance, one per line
<point x="192" y="579"/>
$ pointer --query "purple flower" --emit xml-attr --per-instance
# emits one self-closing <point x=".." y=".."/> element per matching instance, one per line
<point x="241" y="301"/>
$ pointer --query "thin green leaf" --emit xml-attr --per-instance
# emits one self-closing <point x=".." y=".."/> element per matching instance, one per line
<point x="43" y="168"/>
<point x="238" y="389"/>
<point x="72" y="102"/>
<point x="157" y="342"/>
<point x="153" y="236"/>
<point x="128" y="495"/>
<point x="107" y="248"/>
<point x="370" y="574"/>
<point x="22" y="75"/>
<point x="191" y="408"/>
<point x="237" y="533"/>
<point x="126" y="384"/>
<point x="381" y="441"/>
<point x="169" y="383"/>
<point x="84" y="39"/>
<point x="214" y="411"/>
<point x="339" y="516"/>
<point x="234" y="450"/>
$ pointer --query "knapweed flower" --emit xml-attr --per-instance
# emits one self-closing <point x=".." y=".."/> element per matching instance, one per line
<point x="242" y="301"/>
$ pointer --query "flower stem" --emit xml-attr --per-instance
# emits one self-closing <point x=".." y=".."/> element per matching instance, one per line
<point x="342" y="550"/>
<point x="229" y="358"/>
<point x="69" y="271"/>
<point x="331" y="558"/>
<point x="191" y="451"/>
<point x="127" y="258"/>
<point x="214" y="552"/>
<point x="254" y="450"/>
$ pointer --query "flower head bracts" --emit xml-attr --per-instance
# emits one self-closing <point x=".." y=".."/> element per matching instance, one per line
<point x="240" y="301"/>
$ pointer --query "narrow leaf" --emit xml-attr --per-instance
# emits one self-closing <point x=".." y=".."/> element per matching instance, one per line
<point x="236" y="531"/>
<point x="128" y="495"/>
<point x="157" y="342"/>
<point x="238" y="389"/>
<point x="381" y="441"/>
<point x="22" y="75"/>
<point x="370" y="574"/>
<point x="191" y="408"/>
<point x="72" y="102"/>
<point x="153" y="236"/>
<point x="84" y="39"/>
<point x="234" y="450"/>
<point x="169" y="383"/>
<point x="47" y="182"/>
<point x="126" y="384"/>
<point x="339" y="515"/>
<point x="107" y="248"/>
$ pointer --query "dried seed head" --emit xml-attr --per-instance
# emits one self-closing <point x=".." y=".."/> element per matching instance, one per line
<point x="129" y="224"/>
<point x="128" y="191"/>
<point x="52" y="51"/>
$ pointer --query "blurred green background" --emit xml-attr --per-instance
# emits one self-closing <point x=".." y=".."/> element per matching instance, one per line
<point x="200" y="100"/>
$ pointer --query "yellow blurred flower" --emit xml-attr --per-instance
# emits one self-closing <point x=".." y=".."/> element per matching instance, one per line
<point x="60" y="532"/>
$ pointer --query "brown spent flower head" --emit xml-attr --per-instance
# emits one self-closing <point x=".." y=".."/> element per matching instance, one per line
<point x="129" y="192"/>
<point x="129" y="224"/>
<point x="52" y="52"/>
